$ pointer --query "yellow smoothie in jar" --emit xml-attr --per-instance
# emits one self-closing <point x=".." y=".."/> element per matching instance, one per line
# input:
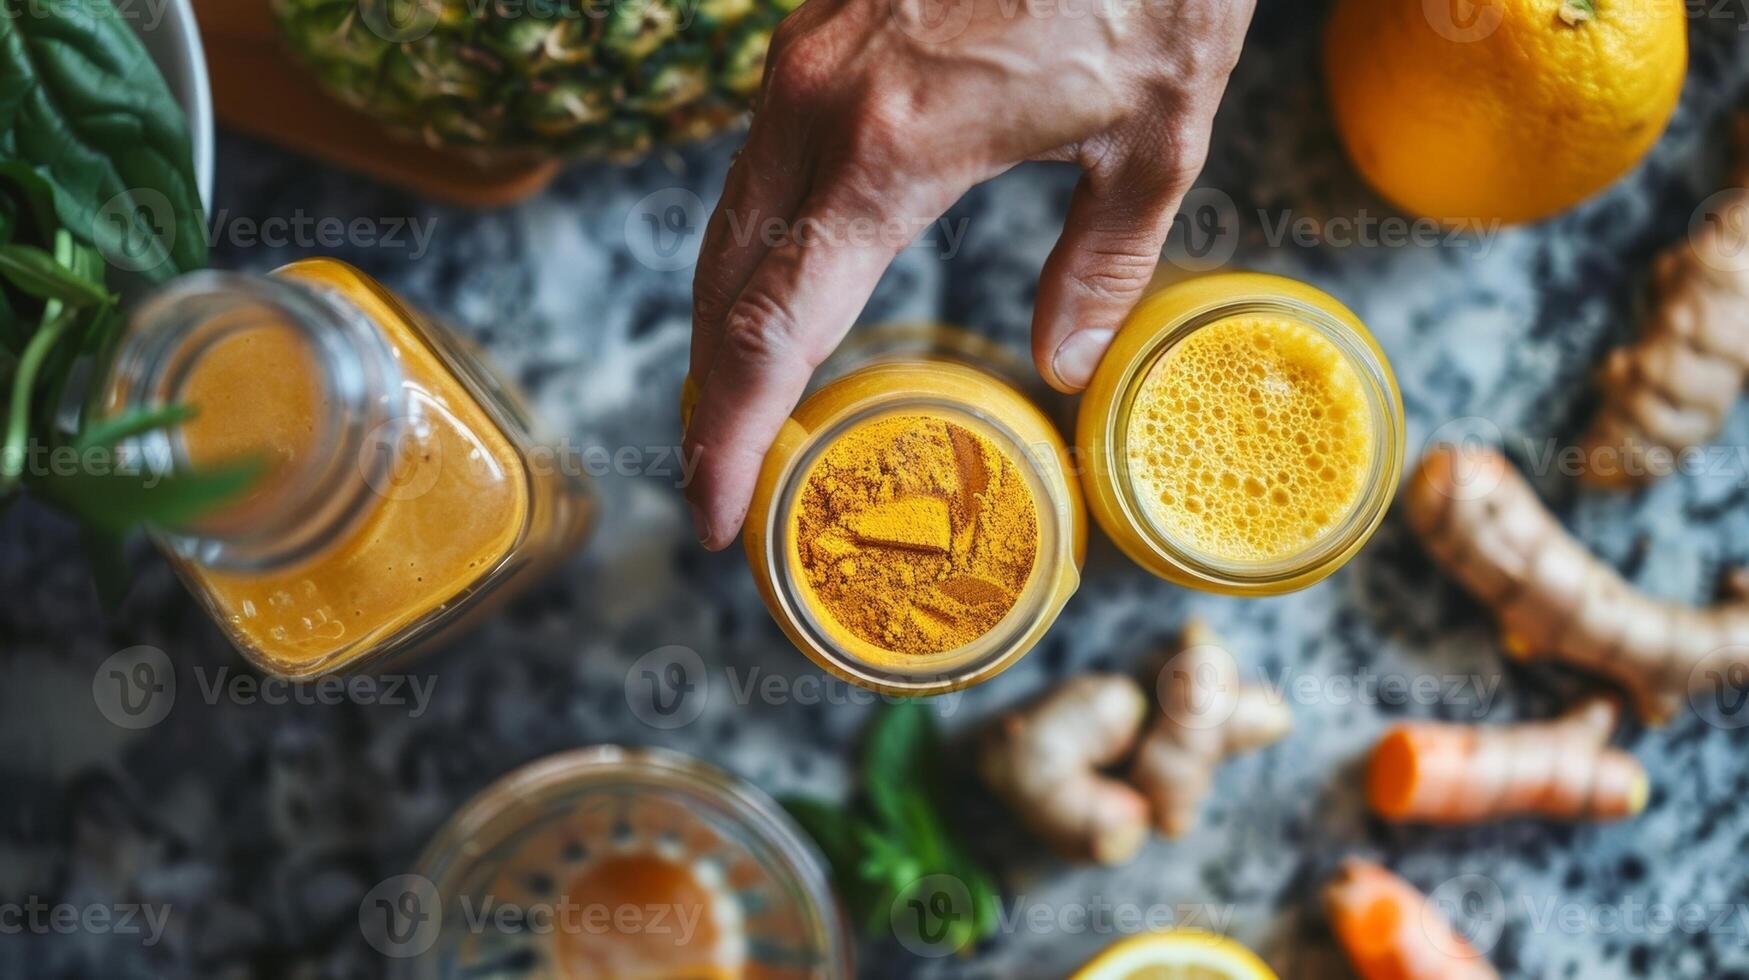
<point x="1251" y="439"/>
<point x="1243" y="434"/>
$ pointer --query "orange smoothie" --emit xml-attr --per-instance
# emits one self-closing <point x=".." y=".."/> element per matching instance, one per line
<point x="643" y="915"/>
<point x="453" y="506"/>
<point x="1251" y="439"/>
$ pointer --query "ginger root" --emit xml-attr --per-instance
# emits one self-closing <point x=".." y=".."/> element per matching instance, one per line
<point x="1673" y="387"/>
<point x="1044" y="760"/>
<point x="1206" y="716"/>
<point x="1391" y="931"/>
<point x="1484" y="524"/>
<point x="1452" y="774"/>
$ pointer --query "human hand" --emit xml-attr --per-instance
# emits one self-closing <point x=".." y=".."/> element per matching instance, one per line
<point x="873" y="116"/>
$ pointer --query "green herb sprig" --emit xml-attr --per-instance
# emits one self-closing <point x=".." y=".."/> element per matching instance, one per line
<point x="892" y="846"/>
<point x="95" y="161"/>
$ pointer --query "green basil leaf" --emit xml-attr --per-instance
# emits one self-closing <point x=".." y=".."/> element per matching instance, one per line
<point x="118" y="502"/>
<point x="82" y="101"/>
<point x="36" y="273"/>
<point x="34" y="198"/>
<point x="830" y="827"/>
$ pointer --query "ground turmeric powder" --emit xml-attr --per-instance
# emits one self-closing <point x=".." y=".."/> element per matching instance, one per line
<point x="915" y="534"/>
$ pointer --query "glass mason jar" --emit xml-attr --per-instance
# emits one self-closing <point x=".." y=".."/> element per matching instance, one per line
<point x="916" y="527"/>
<point x="399" y="487"/>
<point x="610" y="862"/>
<point x="1112" y="414"/>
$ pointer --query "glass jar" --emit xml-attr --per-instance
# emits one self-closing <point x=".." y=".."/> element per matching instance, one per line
<point x="916" y="528"/>
<point x="399" y="487"/>
<point x="609" y="861"/>
<point x="1116" y="410"/>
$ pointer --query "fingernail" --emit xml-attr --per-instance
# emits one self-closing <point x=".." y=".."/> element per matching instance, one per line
<point x="1079" y="355"/>
<point x="701" y="525"/>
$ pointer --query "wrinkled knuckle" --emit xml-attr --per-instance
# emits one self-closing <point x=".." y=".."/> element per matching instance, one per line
<point x="760" y="330"/>
<point x="803" y="69"/>
<point x="1119" y="269"/>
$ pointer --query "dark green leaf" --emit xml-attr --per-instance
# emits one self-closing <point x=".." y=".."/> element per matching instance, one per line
<point x="36" y="273"/>
<point x="82" y="100"/>
<point x="898" y="752"/>
<point x="35" y="199"/>
<point x="119" y="502"/>
<point x="108" y="432"/>
<point x="830" y="827"/>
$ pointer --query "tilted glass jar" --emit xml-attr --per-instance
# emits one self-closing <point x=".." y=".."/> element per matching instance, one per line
<point x="400" y="487"/>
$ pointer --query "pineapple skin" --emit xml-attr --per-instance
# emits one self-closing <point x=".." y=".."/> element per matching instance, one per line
<point x="546" y="78"/>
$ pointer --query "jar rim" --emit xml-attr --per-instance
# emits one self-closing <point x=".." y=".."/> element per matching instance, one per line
<point x="1334" y="547"/>
<point x="548" y="781"/>
<point x="176" y="325"/>
<point x="950" y="670"/>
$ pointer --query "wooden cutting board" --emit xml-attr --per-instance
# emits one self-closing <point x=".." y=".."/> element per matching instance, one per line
<point x="259" y="90"/>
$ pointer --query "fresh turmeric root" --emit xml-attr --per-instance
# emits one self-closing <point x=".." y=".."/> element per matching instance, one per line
<point x="1044" y="761"/>
<point x="1484" y="524"/>
<point x="1391" y="931"/>
<point x="1563" y="769"/>
<point x="1672" y="388"/>
<point x="1207" y="715"/>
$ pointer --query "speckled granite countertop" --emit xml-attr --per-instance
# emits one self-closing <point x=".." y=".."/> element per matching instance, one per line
<point x="260" y="826"/>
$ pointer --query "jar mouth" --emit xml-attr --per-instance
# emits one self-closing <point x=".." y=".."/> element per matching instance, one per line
<point x="1335" y="545"/>
<point x="358" y="388"/>
<point x="866" y="664"/>
<point x="609" y="780"/>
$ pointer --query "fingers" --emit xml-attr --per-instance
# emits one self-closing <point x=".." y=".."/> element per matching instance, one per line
<point x="1110" y="246"/>
<point x="795" y="308"/>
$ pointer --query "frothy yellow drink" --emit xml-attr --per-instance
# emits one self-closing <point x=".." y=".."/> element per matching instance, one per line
<point x="1251" y="439"/>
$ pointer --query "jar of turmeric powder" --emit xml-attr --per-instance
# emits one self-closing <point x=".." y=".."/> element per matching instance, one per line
<point x="916" y="527"/>
<point x="400" y="490"/>
<point x="1243" y="434"/>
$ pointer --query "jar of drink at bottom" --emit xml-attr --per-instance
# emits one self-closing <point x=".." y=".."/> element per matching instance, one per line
<point x="916" y="528"/>
<point x="400" y="488"/>
<point x="1243" y="434"/>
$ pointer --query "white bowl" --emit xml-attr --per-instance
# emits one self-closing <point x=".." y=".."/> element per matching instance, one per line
<point x="173" y="40"/>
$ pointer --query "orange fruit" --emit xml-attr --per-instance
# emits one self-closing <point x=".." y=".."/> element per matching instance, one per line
<point x="1483" y="111"/>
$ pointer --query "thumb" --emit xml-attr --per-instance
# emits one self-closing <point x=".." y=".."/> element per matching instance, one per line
<point x="1105" y="258"/>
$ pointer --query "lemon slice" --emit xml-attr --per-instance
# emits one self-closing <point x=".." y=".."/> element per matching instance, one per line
<point x="1177" y="954"/>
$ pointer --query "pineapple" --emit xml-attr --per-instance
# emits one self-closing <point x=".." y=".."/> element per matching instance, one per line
<point x="592" y="78"/>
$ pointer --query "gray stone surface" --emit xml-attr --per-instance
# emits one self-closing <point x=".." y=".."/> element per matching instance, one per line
<point x="261" y="825"/>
